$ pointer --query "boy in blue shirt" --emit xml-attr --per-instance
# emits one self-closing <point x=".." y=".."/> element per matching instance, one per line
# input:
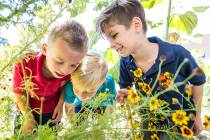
<point x="90" y="79"/>
<point x="123" y="23"/>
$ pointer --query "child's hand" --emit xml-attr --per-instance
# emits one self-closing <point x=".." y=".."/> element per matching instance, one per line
<point x="28" y="125"/>
<point x="122" y="95"/>
<point x="58" y="113"/>
<point x="197" y="128"/>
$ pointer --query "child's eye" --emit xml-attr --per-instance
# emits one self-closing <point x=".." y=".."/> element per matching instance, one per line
<point x="58" y="62"/>
<point x="73" y="66"/>
<point x="114" y="35"/>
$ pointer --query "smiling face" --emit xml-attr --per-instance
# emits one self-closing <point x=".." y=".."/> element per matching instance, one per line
<point x="61" y="59"/>
<point x="123" y="40"/>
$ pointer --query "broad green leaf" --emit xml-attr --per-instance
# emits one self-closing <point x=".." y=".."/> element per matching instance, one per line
<point x="200" y="8"/>
<point x="185" y="22"/>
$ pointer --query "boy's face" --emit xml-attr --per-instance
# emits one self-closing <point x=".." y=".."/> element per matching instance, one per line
<point x="121" y="39"/>
<point x="61" y="59"/>
<point x="87" y="93"/>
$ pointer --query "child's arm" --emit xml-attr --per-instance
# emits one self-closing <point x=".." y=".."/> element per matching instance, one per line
<point x="69" y="108"/>
<point x="58" y="111"/>
<point x="29" y="122"/>
<point x="197" y="96"/>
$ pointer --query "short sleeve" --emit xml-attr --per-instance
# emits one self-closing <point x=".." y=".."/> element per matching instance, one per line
<point x="112" y="89"/>
<point x="188" y="69"/>
<point x="69" y="93"/>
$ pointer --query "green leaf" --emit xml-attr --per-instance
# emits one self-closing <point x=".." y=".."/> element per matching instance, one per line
<point x="111" y="56"/>
<point x="200" y="9"/>
<point x="94" y="37"/>
<point x="150" y="3"/>
<point x="155" y="25"/>
<point x="78" y="7"/>
<point x="185" y="22"/>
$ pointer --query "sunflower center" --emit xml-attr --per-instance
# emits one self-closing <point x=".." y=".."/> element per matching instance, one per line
<point x="180" y="116"/>
<point x="186" y="131"/>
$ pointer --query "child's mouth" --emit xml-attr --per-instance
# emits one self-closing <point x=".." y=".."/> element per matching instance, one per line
<point x="119" y="50"/>
<point x="60" y="75"/>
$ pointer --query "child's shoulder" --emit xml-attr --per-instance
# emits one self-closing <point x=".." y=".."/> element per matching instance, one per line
<point x="109" y="78"/>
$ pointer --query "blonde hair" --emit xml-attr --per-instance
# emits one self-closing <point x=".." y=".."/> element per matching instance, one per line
<point x="90" y="72"/>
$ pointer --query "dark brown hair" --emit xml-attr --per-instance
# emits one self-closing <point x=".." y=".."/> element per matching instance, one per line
<point x="121" y="12"/>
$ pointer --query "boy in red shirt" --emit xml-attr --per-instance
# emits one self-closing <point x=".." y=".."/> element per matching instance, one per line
<point x="39" y="78"/>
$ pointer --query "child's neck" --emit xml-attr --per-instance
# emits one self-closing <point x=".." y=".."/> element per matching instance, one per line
<point x="146" y="55"/>
<point x="45" y="72"/>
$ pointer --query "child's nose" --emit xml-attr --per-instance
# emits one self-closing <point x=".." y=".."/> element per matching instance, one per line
<point x="66" y="71"/>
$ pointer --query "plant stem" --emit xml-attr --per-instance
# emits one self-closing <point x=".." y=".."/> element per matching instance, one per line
<point x="168" y="19"/>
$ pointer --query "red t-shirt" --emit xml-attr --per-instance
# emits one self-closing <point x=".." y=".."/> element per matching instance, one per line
<point x="42" y="87"/>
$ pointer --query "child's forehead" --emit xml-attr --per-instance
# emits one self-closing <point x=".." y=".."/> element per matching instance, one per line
<point x="109" y="27"/>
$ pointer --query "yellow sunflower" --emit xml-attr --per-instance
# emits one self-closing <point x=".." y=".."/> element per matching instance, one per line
<point x="186" y="132"/>
<point x="180" y="117"/>
<point x="154" y="137"/>
<point x="154" y="104"/>
<point x="138" y="73"/>
<point x="206" y="122"/>
<point x="133" y="97"/>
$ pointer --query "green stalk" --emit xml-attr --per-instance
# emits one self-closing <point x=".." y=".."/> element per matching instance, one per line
<point x="168" y="19"/>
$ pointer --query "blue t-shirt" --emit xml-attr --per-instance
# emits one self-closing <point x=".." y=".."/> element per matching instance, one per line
<point x="175" y="54"/>
<point x="108" y="86"/>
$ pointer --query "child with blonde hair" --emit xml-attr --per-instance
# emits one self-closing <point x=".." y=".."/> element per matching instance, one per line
<point x="89" y="80"/>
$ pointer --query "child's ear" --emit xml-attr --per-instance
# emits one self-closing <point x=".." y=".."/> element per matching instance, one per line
<point x="44" y="48"/>
<point x="137" y="24"/>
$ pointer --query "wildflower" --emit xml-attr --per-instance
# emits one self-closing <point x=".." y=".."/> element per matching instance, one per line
<point x="165" y="80"/>
<point x="175" y="101"/>
<point x="188" y="91"/>
<point x="138" y="136"/>
<point x="138" y="73"/>
<point x="85" y="114"/>
<point x="132" y="96"/>
<point x="167" y="75"/>
<point x="162" y="77"/>
<point x="154" y="104"/>
<point x="186" y="132"/>
<point x="154" y="137"/>
<point x="145" y="87"/>
<point x="206" y="122"/>
<point x="151" y="127"/>
<point x="102" y="95"/>
<point x="136" y="124"/>
<point x="179" y="117"/>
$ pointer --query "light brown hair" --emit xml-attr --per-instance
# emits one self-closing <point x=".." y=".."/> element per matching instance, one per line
<point x="70" y="31"/>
